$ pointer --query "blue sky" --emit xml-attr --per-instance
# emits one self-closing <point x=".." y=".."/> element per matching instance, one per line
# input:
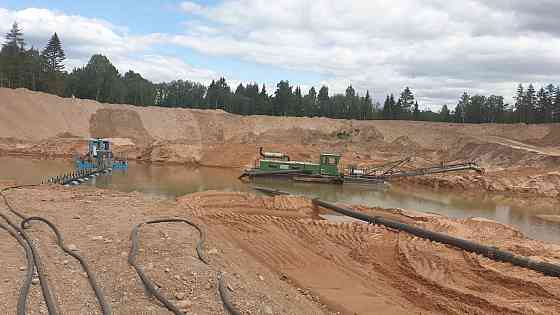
<point x="438" y="48"/>
<point x="166" y="17"/>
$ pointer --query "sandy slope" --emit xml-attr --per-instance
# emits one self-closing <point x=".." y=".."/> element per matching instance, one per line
<point x="278" y="255"/>
<point x="42" y="124"/>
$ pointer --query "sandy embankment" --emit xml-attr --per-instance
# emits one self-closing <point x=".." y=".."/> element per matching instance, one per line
<point x="519" y="159"/>
<point x="278" y="255"/>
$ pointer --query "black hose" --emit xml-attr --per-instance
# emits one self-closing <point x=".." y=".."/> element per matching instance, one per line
<point x="222" y="289"/>
<point x="487" y="251"/>
<point x="274" y="192"/>
<point x="105" y="307"/>
<point x="47" y="295"/>
<point x="14" y="211"/>
<point x="148" y="284"/>
<point x="24" y="291"/>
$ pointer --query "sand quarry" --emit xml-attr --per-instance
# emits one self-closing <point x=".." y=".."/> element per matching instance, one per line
<point x="278" y="256"/>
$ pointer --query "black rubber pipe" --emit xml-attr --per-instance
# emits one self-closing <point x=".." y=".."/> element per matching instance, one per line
<point x="105" y="307"/>
<point x="24" y="291"/>
<point x="269" y="191"/>
<point x="146" y="281"/>
<point x="487" y="251"/>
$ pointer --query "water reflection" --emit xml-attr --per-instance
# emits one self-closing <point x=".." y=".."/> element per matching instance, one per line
<point x="176" y="180"/>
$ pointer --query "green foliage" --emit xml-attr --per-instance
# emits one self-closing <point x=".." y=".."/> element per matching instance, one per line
<point x="100" y="80"/>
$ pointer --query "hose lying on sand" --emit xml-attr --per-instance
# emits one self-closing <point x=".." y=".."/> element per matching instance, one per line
<point x="34" y="260"/>
<point x="24" y="291"/>
<point x="487" y="251"/>
<point x="149" y="284"/>
<point x="105" y="307"/>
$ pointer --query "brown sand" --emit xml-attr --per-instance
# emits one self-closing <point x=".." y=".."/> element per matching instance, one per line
<point x="278" y="255"/>
<point x="33" y="123"/>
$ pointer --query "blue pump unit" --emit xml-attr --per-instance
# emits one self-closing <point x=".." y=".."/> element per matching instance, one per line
<point x="100" y="157"/>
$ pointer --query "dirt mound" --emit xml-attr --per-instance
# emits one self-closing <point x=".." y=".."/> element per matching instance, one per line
<point x="373" y="268"/>
<point x="553" y="137"/>
<point x="119" y="123"/>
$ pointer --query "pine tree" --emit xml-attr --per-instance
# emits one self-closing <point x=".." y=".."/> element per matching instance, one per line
<point x="405" y="103"/>
<point x="310" y="103"/>
<point x="323" y="102"/>
<point x="529" y="104"/>
<point x="463" y="103"/>
<point x="12" y="59"/>
<point x="14" y="42"/>
<point x="519" y="104"/>
<point x="556" y="106"/>
<point x="444" y="114"/>
<point x="366" y="110"/>
<point x="416" y="111"/>
<point x="53" y="55"/>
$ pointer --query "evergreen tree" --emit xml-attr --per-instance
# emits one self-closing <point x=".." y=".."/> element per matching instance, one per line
<point x="323" y="101"/>
<point x="444" y="114"/>
<point x="416" y="111"/>
<point x="405" y="103"/>
<point x="53" y="55"/>
<point x="14" y="42"/>
<point x="520" y="103"/>
<point x="218" y="94"/>
<point x="464" y="102"/>
<point x="351" y="109"/>
<point x="12" y="59"/>
<point x="556" y="105"/>
<point x="529" y="104"/>
<point x="310" y="103"/>
<point x="263" y="106"/>
<point x="366" y="110"/>
<point x="298" y="103"/>
<point x="283" y="97"/>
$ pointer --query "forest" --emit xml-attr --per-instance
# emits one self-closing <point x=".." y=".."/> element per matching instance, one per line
<point x="99" y="79"/>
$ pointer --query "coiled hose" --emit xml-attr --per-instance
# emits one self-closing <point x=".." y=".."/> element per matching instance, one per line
<point x="149" y="284"/>
<point x="105" y="307"/>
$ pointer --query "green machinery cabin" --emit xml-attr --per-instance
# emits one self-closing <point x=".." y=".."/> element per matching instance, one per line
<point x="327" y="166"/>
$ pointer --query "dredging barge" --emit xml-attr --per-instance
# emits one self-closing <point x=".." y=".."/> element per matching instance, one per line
<point x="328" y="170"/>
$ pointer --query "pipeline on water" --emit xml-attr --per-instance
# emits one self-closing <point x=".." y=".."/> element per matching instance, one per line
<point x="493" y="253"/>
<point x="149" y="284"/>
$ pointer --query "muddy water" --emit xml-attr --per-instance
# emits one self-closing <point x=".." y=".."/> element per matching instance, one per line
<point x="174" y="180"/>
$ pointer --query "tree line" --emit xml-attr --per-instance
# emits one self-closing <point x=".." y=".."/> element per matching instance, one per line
<point x="100" y="80"/>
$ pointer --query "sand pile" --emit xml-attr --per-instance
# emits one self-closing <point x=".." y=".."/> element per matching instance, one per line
<point x="33" y="123"/>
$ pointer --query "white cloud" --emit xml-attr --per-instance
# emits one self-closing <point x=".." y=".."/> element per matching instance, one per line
<point x="440" y="48"/>
<point x="191" y="7"/>
<point x="82" y="37"/>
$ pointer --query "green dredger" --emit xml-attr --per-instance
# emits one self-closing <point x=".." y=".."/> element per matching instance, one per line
<point x="273" y="164"/>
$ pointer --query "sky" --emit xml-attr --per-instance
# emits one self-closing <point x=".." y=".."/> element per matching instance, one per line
<point x="439" y="48"/>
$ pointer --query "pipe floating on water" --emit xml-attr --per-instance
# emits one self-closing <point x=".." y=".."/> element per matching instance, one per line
<point x="487" y="251"/>
<point x="269" y="191"/>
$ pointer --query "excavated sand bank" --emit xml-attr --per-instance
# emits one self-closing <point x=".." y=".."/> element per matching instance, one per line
<point x="519" y="158"/>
